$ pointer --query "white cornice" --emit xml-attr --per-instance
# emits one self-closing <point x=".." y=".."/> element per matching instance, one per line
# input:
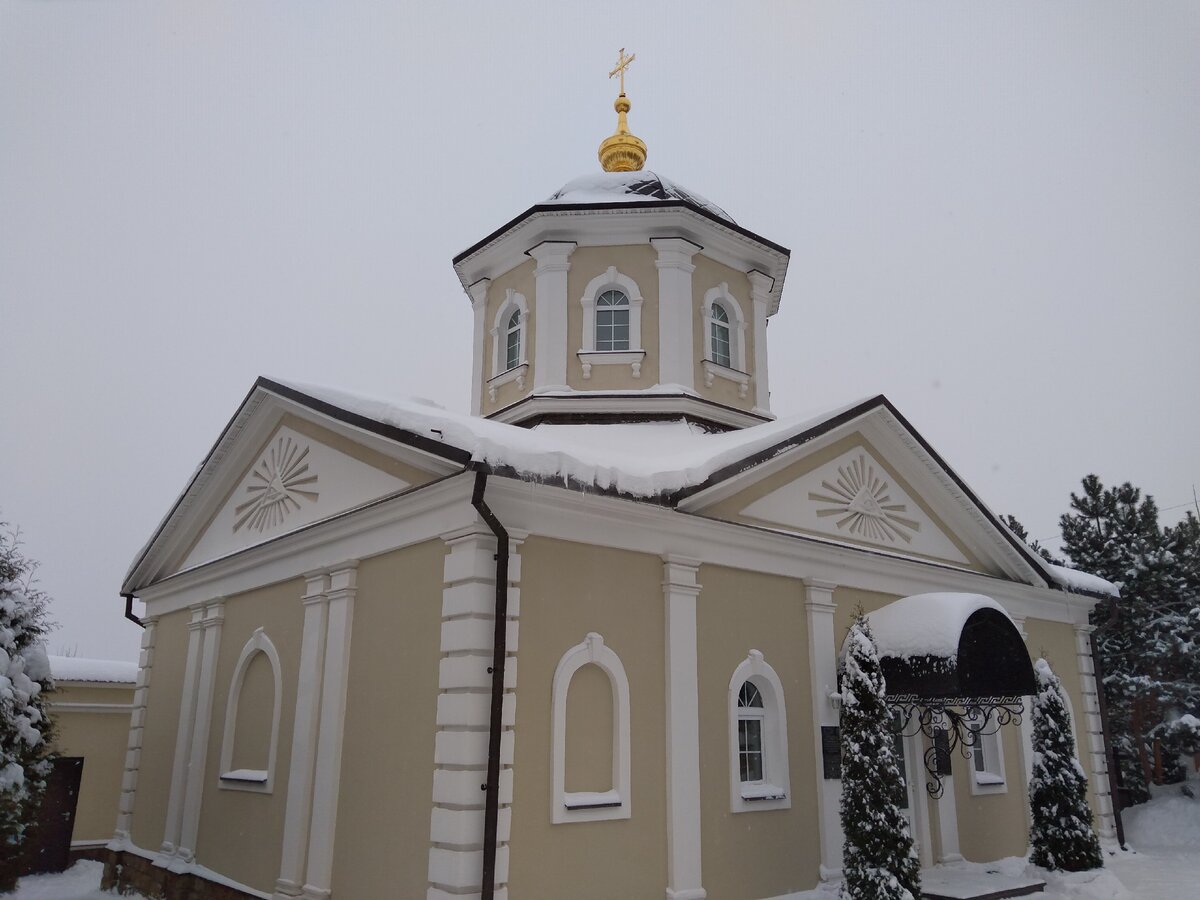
<point x="632" y="404"/>
<point x="619" y="226"/>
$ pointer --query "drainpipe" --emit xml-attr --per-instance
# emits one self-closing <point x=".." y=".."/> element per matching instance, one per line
<point x="1110" y="755"/>
<point x="129" y="611"/>
<point x="491" y="809"/>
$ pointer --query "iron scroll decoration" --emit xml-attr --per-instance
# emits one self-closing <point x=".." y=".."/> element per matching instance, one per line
<point x="950" y="724"/>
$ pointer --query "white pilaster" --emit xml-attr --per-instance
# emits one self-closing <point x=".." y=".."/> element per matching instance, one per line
<point x="478" y="292"/>
<point x="550" y="312"/>
<point x="676" y="316"/>
<point x="463" y="715"/>
<point x="137" y="724"/>
<point x="339" y="620"/>
<point x="298" y="811"/>
<point x="760" y="294"/>
<point x="214" y="616"/>
<point x="819" y="608"/>
<point x="680" y="590"/>
<point x="183" y="737"/>
<point x="947" y="808"/>
<point x="1092" y="752"/>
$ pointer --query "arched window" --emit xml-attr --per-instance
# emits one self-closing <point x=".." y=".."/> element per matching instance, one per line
<point x="592" y="805"/>
<point x="758" y="752"/>
<point x="250" y="739"/>
<point x="513" y="341"/>
<point x="720" y="336"/>
<point x="612" y="321"/>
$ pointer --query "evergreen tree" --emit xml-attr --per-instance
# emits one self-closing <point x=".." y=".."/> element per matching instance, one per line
<point x="1015" y="526"/>
<point x="1061" y="836"/>
<point x="879" y="861"/>
<point x="1147" y="639"/>
<point x="25" y="728"/>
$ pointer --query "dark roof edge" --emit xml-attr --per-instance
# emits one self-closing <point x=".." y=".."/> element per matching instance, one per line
<point x="636" y="204"/>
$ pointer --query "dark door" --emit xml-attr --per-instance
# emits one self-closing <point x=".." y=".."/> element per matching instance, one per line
<point x="48" y="848"/>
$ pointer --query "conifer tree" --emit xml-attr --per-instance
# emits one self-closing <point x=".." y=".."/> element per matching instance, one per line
<point x="879" y="862"/>
<point x="1061" y="836"/>
<point x="25" y="728"/>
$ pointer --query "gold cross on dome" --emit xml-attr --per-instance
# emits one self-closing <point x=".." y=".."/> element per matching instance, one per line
<point x="623" y="62"/>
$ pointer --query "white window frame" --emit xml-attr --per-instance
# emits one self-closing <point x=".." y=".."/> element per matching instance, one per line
<point x="611" y="280"/>
<point x="614" y="804"/>
<point x="737" y="370"/>
<point x="776" y="770"/>
<point x="992" y="780"/>
<point x="513" y="300"/>
<point x="239" y="780"/>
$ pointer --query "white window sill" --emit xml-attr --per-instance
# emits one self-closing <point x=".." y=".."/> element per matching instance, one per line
<point x="714" y="370"/>
<point x="590" y="800"/>
<point x="516" y="373"/>
<point x="258" y="780"/>
<point x="754" y="792"/>
<point x="631" y="358"/>
<point x="988" y="783"/>
<point x="588" y="806"/>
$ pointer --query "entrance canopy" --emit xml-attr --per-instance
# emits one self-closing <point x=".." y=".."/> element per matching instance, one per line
<point x="949" y="646"/>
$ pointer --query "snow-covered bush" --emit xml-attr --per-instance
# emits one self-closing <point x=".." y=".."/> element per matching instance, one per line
<point x="879" y="861"/>
<point x="24" y="725"/>
<point x="1061" y="836"/>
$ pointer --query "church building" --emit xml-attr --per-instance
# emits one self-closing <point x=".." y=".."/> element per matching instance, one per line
<point x="582" y="642"/>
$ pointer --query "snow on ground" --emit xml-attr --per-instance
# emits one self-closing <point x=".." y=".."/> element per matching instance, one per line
<point x="80" y="882"/>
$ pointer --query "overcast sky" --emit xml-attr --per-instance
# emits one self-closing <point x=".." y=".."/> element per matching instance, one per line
<point x="993" y="211"/>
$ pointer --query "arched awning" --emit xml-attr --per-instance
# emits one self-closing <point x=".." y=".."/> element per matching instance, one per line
<point x="949" y="646"/>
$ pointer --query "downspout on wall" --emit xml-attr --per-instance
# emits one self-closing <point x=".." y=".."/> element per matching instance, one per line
<point x="491" y="810"/>
<point x="129" y="611"/>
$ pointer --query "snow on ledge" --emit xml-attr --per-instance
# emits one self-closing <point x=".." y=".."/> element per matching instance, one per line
<point x="1075" y="580"/>
<point x="926" y="624"/>
<point x="591" y="799"/>
<point x="258" y="776"/>
<point x="74" y="668"/>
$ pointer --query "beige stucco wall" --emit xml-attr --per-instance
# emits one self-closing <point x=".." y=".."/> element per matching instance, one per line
<point x="252" y="748"/>
<point x="101" y="738"/>
<point x="387" y="755"/>
<point x="158" y="736"/>
<point x="568" y="590"/>
<point x="589" y="744"/>
<point x="730" y="509"/>
<point x="752" y="855"/>
<point x="519" y="279"/>
<point x="710" y="274"/>
<point x="636" y="262"/>
<point x="241" y="831"/>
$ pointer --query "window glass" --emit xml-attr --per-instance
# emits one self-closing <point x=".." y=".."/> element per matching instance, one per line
<point x="612" y="321"/>
<point x="750" y="728"/>
<point x="513" y="345"/>
<point x="720" y="336"/>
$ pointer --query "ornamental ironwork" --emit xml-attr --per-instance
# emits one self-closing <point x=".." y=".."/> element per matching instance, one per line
<point x="951" y="724"/>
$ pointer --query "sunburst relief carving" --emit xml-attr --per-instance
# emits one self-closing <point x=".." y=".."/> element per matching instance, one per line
<point x="277" y="484"/>
<point x="860" y="498"/>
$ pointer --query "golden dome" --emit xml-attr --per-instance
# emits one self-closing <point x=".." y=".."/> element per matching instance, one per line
<point x="622" y="151"/>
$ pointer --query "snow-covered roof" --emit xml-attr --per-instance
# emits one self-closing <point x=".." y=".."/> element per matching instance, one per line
<point x="74" y="668"/>
<point x="926" y="624"/>
<point x="646" y="459"/>
<point x="630" y="187"/>
<point x="1075" y="580"/>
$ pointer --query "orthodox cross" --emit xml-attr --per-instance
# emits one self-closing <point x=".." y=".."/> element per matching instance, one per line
<point x="623" y="62"/>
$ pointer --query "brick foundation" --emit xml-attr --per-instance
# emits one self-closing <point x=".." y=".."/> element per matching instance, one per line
<point x="129" y="873"/>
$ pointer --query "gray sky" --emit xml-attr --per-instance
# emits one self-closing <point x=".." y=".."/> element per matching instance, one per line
<point x="993" y="211"/>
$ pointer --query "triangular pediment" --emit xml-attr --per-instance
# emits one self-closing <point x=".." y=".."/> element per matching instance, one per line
<point x="293" y="481"/>
<point x="856" y="497"/>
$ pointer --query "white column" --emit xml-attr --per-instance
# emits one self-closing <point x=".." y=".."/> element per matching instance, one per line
<point x="328" y="770"/>
<point x="760" y="294"/>
<point x="1092" y="752"/>
<point x="298" y="810"/>
<point x="550" y="312"/>
<point x="947" y="809"/>
<point x="680" y="590"/>
<point x="819" y="609"/>
<point x="478" y="292"/>
<point x="214" y="616"/>
<point x="677" y="316"/>
<point x="463" y="716"/>
<point x="183" y="738"/>
<point x="137" y="724"/>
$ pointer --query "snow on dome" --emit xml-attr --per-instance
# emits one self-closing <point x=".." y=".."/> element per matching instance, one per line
<point x="630" y="187"/>
<point x="73" y="668"/>
<point x="926" y="624"/>
<point x="1075" y="580"/>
